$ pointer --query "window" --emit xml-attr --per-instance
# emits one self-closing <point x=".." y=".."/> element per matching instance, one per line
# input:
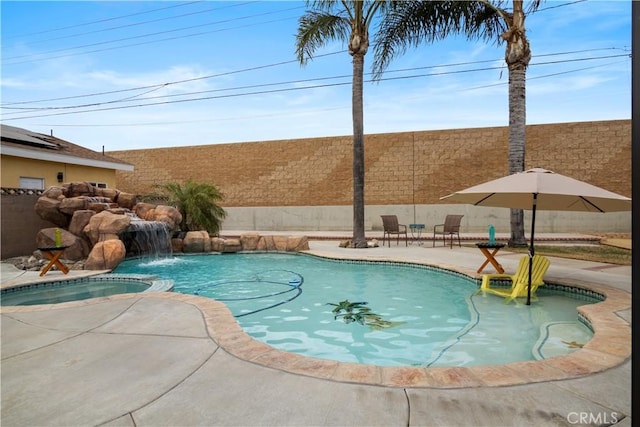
<point x="32" y="183"/>
<point x="99" y="184"/>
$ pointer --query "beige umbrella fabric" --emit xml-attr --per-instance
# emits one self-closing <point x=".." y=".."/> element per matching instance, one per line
<point x="554" y="192"/>
<point x="539" y="188"/>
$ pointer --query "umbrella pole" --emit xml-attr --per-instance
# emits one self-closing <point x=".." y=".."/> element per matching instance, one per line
<point x="531" y="248"/>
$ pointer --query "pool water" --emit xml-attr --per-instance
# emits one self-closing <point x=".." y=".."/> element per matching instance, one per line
<point x="101" y="285"/>
<point x="53" y="293"/>
<point x="401" y="314"/>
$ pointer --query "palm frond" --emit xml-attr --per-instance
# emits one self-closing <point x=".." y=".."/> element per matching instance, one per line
<point x="315" y="30"/>
<point x="198" y="204"/>
<point x="409" y="24"/>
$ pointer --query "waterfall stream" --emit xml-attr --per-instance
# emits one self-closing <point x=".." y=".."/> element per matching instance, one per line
<point x="146" y="239"/>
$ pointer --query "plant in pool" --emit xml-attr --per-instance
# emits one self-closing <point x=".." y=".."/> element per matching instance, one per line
<point x="358" y="312"/>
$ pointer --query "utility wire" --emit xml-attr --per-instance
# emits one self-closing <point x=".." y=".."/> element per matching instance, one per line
<point x="8" y="60"/>
<point x="134" y="24"/>
<point x="259" y="67"/>
<point x="262" y="92"/>
<point x="102" y="20"/>
<point x="559" y="5"/>
<point x="154" y="34"/>
<point x="161" y="85"/>
<point x="302" y="113"/>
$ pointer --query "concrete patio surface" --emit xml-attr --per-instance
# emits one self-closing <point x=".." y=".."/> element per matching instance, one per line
<point x="179" y="360"/>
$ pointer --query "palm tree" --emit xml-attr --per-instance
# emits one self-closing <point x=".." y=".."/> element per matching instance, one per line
<point x="198" y="204"/>
<point x="411" y="23"/>
<point x="350" y="21"/>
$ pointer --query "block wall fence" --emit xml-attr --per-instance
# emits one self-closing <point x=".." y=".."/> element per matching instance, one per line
<point x="400" y="168"/>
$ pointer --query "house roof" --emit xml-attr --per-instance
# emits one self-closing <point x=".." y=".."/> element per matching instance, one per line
<point x="20" y="142"/>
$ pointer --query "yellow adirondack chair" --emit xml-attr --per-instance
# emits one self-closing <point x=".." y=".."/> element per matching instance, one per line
<point x="519" y="280"/>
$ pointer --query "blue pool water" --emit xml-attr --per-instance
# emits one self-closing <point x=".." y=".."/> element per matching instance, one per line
<point x="84" y="289"/>
<point x="417" y="316"/>
<point x="78" y="289"/>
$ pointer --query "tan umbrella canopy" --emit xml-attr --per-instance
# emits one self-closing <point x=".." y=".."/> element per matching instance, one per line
<point x="539" y="188"/>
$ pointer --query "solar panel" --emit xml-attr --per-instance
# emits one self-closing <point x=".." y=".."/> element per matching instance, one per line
<point x="23" y="136"/>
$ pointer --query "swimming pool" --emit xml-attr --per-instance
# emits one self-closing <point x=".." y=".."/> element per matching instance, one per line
<point x="413" y="315"/>
<point x="55" y="292"/>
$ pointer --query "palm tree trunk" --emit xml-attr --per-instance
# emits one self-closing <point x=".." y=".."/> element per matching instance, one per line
<point x="517" y="56"/>
<point x="517" y="138"/>
<point x="358" y="240"/>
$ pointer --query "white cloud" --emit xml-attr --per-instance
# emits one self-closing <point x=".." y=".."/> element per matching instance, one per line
<point x="453" y="99"/>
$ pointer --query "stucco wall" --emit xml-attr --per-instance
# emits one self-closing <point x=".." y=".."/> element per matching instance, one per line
<point x="15" y="167"/>
<point x="401" y="169"/>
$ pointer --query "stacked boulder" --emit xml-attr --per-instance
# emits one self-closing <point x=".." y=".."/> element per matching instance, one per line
<point x="91" y="220"/>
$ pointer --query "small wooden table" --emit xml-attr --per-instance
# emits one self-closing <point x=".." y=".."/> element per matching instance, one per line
<point x="484" y="248"/>
<point x="53" y="254"/>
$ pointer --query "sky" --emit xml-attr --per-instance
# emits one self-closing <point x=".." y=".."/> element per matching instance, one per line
<point x="114" y="75"/>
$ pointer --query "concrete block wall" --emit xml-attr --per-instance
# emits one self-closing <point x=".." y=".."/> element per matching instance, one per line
<point x="20" y="225"/>
<point x="475" y="221"/>
<point x="406" y="168"/>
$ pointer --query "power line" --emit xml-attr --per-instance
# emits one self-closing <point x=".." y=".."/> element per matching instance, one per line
<point x="7" y="61"/>
<point x="529" y="78"/>
<point x="560" y="5"/>
<point x="151" y="34"/>
<point x="135" y="24"/>
<point x="259" y="67"/>
<point x="114" y="18"/>
<point x="262" y="92"/>
<point x="154" y="88"/>
<point x="166" y="84"/>
<point x="305" y="112"/>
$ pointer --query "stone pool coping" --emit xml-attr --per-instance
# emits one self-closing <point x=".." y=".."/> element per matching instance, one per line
<point x="609" y="347"/>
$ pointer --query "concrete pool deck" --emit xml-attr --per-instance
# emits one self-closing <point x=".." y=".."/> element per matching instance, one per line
<point x="171" y="359"/>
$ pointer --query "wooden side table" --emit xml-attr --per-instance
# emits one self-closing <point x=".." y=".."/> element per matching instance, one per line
<point x="485" y="249"/>
<point x="53" y="254"/>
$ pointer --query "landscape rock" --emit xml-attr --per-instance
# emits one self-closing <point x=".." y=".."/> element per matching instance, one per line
<point x="177" y="245"/>
<point x="126" y="200"/>
<point x="105" y="255"/>
<point x="97" y="223"/>
<point x="297" y="243"/>
<point x="249" y="241"/>
<point x="81" y="188"/>
<point x="69" y="205"/>
<point x="54" y="193"/>
<point x="194" y="242"/>
<point x="166" y="214"/>
<point x="232" y="245"/>
<point x="266" y="243"/>
<point x="79" y="221"/>
<point x="280" y="243"/>
<point x="110" y="193"/>
<point x="217" y="244"/>
<point x="142" y="209"/>
<point x="102" y="206"/>
<point x="105" y="223"/>
<point x="77" y="248"/>
<point x="48" y="209"/>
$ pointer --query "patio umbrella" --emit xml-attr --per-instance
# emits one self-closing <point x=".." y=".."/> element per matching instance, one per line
<point x="539" y="188"/>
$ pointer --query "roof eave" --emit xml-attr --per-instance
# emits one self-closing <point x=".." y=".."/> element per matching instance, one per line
<point x="61" y="158"/>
